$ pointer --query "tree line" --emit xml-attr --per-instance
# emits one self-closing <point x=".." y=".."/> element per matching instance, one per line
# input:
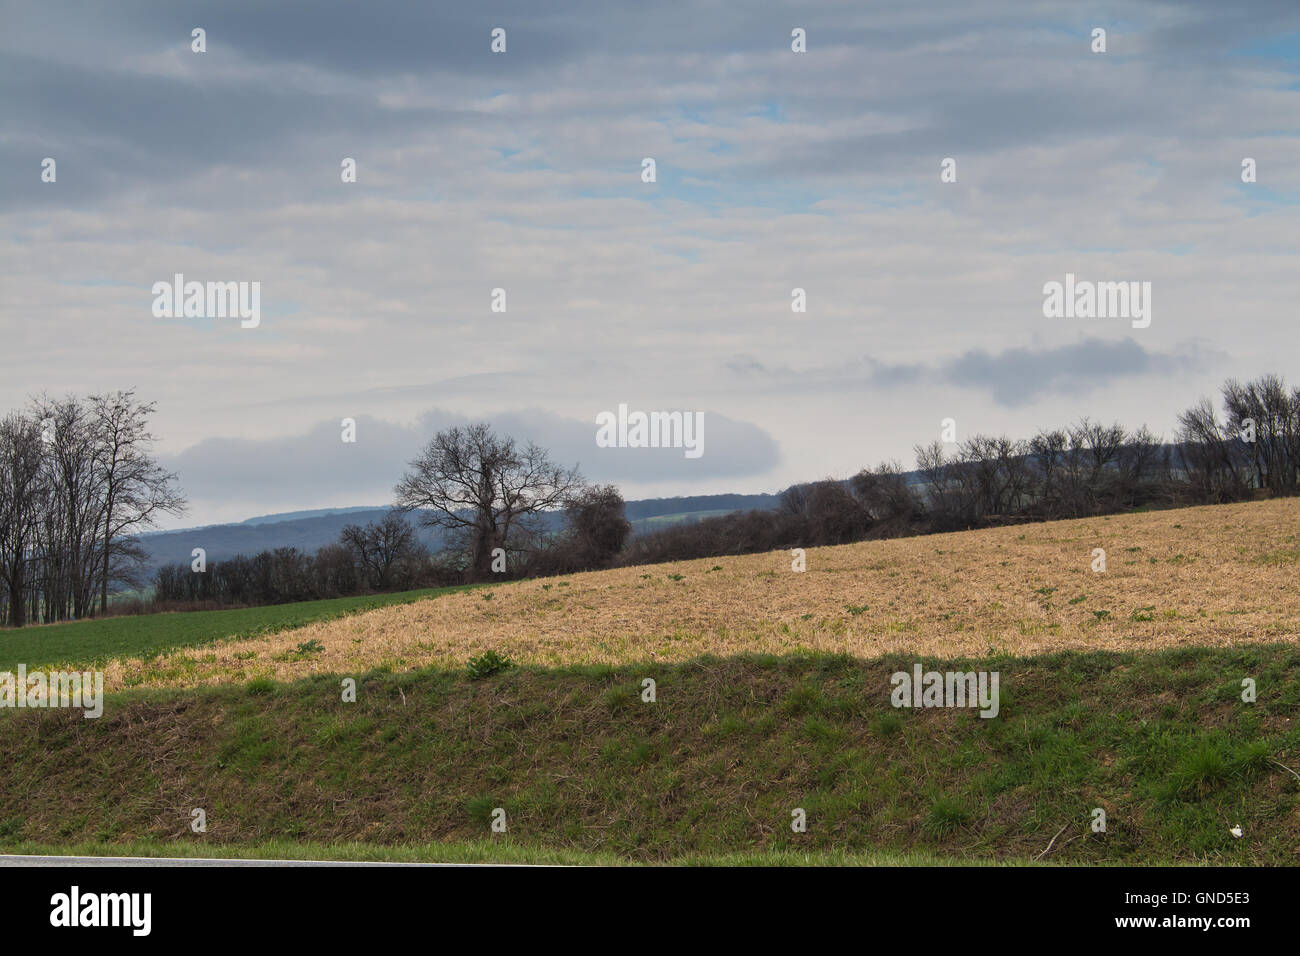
<point x="78" y="482"/>
<point x="383" y="555"/>
<point x="387" y="555"/>
<point x="493" y="501"/>
<point x="489" y="493"/>
<point x="1088" y="468"/>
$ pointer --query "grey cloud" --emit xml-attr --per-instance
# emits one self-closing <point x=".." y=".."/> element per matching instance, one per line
<point x="385" y="36"/>
<point x="730" y="448"/>
<point x="1013" y="377"/>
<point x="316" y="468"/>
<point x="1018" y="376"/>
<point x="122" y="129"/>
<point x="869" y="372"/>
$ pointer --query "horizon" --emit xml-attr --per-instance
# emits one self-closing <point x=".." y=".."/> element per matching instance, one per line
<point x="307" y="513"/>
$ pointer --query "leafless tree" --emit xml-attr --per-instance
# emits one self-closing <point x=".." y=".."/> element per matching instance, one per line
<point x="1206" y="456"/>
<point x="381" y="547"/>
<point x="1047" y="452"/>
<point x="485" y="490"/>
<point x="1274" y="454"/>
<point x="134" y="488"/>
<point x="21" y="504"/>
<point x="890" y="502"/>
<point x="71" y="525"/>
<point x="79" y="483"/>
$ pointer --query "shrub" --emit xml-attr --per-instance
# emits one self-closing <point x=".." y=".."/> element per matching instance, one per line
<point x="487" y="664"/>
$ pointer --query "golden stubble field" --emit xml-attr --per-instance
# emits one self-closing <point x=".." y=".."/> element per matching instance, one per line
<point x="1215" y="575"/>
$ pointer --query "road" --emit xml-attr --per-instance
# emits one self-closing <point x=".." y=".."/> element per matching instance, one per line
<point x="13" y="860"/>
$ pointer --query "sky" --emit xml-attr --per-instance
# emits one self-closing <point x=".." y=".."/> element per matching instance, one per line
<point x="522" y="170"/>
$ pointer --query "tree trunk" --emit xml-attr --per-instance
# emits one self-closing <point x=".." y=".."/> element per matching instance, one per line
<point x="16" y="605"/>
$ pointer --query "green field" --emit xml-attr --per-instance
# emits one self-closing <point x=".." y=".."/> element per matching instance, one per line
<point x="83" y="643"/>
<point x="711" y="771"/>
<point x="657" y="522"/>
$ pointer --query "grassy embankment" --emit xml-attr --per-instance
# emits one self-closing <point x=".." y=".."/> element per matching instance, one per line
<point x="772" y="694"/>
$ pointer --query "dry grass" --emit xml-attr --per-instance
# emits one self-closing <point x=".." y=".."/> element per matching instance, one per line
<point x="1216" y="575"/>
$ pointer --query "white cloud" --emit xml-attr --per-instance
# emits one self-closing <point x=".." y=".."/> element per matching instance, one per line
<point x="776" y="170"/>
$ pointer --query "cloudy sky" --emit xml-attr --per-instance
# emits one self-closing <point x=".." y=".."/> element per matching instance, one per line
<point x="522" y="171"/>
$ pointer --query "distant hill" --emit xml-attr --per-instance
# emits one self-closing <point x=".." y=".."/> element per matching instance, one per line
<point x="660" y="507"/>
<point x="264" y="533"/>
<point x="317" y="513"/>
<point x="311" y="530"/>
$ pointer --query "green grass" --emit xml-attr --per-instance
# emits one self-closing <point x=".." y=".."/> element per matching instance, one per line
<point x="83" y="643"/>
<point x="586" y="771"/>
<point x="1281" y="557"/>
<point x="657" y="522"/>
<point x="501" y="850"/>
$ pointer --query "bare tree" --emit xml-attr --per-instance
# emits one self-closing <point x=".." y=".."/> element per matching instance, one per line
<point x="1143" y="466"/>
<point x="380" y="547"/>
<point x="485" y="490"/>
<point x="21" y="504"/>
<point x="1275" y="430"/>
<point x="71" y="523"/>
<point x="944" y="493"/>
<point x="890" y="502"/>
<point x="1089" y="464"/>
<point x="69" y="529"/>
<point x="1205" y="452"/>
<point x="135" y="489"/>
<point x="1047" y="451"/>
<point x="995" y="474"/>
<point x="833" y="515"/>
